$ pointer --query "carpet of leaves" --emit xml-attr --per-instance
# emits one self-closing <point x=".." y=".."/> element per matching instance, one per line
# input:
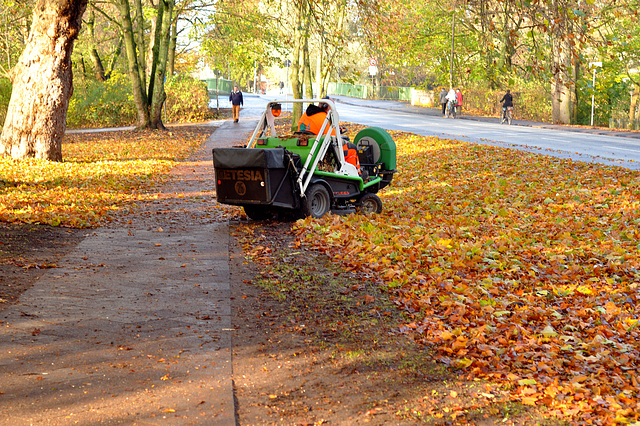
<point x="97" y="177"/>
<point x="517" y="268"/>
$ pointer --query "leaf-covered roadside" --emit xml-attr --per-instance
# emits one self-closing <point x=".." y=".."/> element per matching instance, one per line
<point x="518" y="268"/>
<point x="98" y="177"/>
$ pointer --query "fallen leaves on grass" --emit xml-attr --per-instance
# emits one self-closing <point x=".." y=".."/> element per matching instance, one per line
<point x="517" y="268"/>
<point x="98" y="177"/>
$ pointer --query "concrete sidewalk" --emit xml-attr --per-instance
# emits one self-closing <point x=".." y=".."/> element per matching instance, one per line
<point x="134" y="325"/>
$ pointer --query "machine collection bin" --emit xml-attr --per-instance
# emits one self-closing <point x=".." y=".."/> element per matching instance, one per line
<point x="255" y="176"/>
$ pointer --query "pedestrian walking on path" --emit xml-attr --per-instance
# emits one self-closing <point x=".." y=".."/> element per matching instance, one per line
<point x="443" y="101"/>
<point x="459" y="99"/>
<point x="236" y="101"/>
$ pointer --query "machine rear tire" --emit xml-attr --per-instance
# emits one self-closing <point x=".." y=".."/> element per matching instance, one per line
<point x="317" y="201"/>
<point x="369" y="204"/>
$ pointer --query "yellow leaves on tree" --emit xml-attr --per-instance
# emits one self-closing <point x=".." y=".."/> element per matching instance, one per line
<point x="516" y="267"/>
<point x="99" y="176"/>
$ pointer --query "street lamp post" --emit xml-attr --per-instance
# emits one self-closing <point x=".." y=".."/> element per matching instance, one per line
<point x="373" y="71"/>
<point x="255" y="75"/>
<point x="287" y="64"/>
<point x="594" y="65"/>
<point x="217" y="73"/>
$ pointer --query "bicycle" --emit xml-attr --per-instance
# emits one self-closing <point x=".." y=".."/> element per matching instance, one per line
<point x="451" y="110"/>
<point x="507" y="115"/>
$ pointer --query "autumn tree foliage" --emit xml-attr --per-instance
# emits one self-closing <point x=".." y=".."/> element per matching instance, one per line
<point x="501" y="42"/>
<point x="42" y="82"/>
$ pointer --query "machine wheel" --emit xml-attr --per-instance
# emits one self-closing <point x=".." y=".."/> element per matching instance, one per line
<point x="317" y="201"/>
<point x="369" y="204"/>
<point x="257" y="212"/>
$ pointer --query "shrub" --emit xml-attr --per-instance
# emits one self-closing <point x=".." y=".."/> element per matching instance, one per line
<point x="187" y="99"/>
<point x="532" y="101"/>
<point x="102" y="103"/>
<point x="5" y="97"/>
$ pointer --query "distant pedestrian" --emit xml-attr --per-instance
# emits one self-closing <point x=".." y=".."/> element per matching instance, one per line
<point x="459" y="103"/>
<point x="236" y="101"/>
<point x="443" y="100"/>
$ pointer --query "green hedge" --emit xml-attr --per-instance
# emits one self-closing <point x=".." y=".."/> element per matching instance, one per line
<point x="96" y="104"/>
<point x="110" y="104"/>
<point x="187" y="100"/>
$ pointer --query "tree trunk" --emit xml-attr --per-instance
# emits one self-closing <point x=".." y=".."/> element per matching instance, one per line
<point x="137" y="86"/>
<point x="297" y="67"/>
<point x="159" y="96"/>
<point x="139" y="40"/>
<point x="114" y="57"/>
<point x="561" y="85"/>
<point x="634" y="112"/>
<point x="575" y="74"/>
<point x="173" y="42"/>
<point x="308" y="80"/>
<point x="43" y="83"/>
<point x="93" y="49"/>
<point x="320" y="57"/>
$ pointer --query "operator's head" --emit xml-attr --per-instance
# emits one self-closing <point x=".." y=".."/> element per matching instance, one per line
<point x="324" y="105"/>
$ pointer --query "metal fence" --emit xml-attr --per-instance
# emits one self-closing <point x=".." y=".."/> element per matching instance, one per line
<point x="366" y="92"/>
<point x="220" y="86"/>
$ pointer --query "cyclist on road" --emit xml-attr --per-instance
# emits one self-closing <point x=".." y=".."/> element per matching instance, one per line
<point x="452" y="100"/>
<point x="507" y="101"/>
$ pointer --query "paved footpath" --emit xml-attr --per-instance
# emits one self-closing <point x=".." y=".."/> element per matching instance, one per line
<point x="133" y="327"/>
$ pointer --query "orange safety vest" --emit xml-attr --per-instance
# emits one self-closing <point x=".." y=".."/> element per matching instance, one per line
<point x="313" y="123"/>
<point x="351" y="154"/>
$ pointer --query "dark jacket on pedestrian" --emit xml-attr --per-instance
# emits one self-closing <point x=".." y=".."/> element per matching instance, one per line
<point x="236" y="98"/>
<point x="443" y="97"/>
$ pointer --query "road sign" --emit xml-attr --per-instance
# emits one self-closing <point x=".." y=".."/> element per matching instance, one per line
<point x="373" y="62"/>
<point x="373" y="70"/>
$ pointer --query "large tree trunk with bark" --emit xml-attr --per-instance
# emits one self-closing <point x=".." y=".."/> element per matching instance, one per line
<point x="158" y="97"/>
<point x="562" y="85"/>
<point x="42" y="83"/>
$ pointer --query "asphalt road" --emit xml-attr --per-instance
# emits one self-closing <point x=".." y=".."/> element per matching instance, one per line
<point x="580" y="144"/>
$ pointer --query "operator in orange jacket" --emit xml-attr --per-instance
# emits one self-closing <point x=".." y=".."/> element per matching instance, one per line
<point x="313" y="117"/>
<point x="311" y="121"/>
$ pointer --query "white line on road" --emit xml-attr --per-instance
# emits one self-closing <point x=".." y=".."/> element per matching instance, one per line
<point x="556" y="140"/>
<point x="621" y="149"/>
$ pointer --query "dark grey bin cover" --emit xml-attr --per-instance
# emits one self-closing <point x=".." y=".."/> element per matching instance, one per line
<point x="239" y="158"/>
